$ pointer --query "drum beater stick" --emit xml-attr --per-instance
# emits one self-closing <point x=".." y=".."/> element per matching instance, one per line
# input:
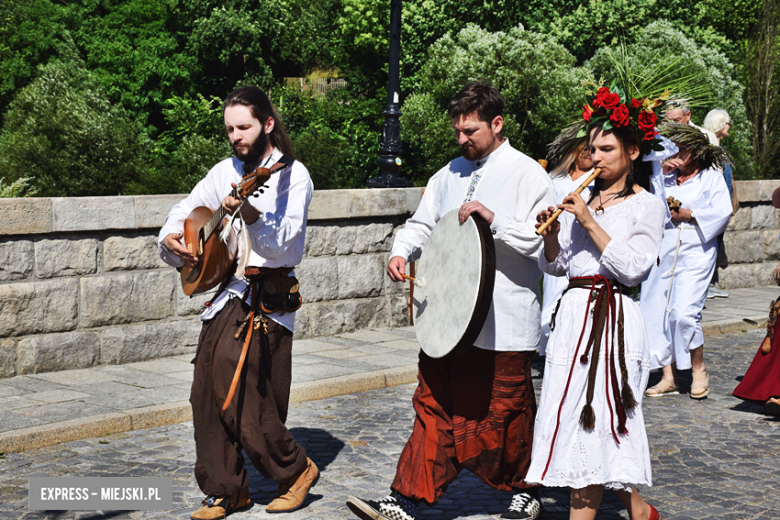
<point x="419" y="282"/>
<point x="558" y="211"/>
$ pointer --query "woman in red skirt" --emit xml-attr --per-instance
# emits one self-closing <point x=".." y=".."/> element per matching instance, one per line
<point x="762" y="379"/>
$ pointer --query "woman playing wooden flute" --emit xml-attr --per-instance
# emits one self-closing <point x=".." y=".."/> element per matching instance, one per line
<point x="589" y="432"/>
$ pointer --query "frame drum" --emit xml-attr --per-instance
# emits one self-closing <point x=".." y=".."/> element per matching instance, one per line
<point x="454" y="285"/>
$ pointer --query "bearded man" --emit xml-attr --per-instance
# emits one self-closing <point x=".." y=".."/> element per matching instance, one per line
<point x="477" y="411"/>
<point x="273" y="227"/>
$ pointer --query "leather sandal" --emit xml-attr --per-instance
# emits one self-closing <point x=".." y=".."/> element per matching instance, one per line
<point x="701" y="385"/>
<point x="214" y="508"/>
<point x="772" y="406"/>
<point x="663" y="388"/>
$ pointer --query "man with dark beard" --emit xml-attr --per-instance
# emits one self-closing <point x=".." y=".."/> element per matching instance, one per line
<point x="244" y="313"/>
<point x="477" y="411"/>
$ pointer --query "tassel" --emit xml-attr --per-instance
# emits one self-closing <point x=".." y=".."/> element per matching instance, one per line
<point x="225" y="233"/>
<point x="587" y="417"/>
<point x="622" y="429"/>
<point x="627" y="396"/>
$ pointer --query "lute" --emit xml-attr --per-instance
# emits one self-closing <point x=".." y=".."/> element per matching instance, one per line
<point x="201" y="235"/>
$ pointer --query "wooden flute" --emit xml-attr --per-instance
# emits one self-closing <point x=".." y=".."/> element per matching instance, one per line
<point x="558" y="211"/>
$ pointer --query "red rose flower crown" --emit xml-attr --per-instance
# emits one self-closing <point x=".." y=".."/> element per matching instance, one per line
<point x="612" y="108"/>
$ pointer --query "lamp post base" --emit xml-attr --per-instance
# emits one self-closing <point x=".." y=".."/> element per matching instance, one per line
<point x="389" y="165"/>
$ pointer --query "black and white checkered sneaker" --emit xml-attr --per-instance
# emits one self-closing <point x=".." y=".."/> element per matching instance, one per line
<point x="524" y="506"/>
<point x="386" y="509"/>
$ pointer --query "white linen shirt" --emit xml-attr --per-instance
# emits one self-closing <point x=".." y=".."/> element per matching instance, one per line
<point x="516" y="188"/>
<point x="278" y="235"/>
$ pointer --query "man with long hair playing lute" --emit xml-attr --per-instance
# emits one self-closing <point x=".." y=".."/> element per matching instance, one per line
<point x="240" y="395"/>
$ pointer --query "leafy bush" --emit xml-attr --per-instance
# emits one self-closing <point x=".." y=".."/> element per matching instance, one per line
<point x="62" y="132"/>
<point x="715" y="71"/>
<point x="541" y="86"/>
<point x="194" y="142"/>
<point x="18" y="188"/>
<point x="336" y="136"/>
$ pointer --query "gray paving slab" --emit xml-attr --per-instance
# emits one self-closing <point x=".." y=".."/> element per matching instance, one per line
<point x="321" y="371"/>
<point x="164" y="365"/>
<point x="309" y="359"/>
<point x="131" y="376"/>
<point x="58" y="396"/>
<point x="181" y="376"/>
<point x="376" y="348"/>
<point x="339" y="353"/>
<point x="9" y="390"/>
<point x="54" y="412"/>
<point x="32" y="384"/>
<point x="307" y="346"/>
<point x="370" y="336"/>
<point x="104" y="389"/>
<point x="711" y="459"/>
<point x="397" y="359"/>
<point x="11" y="420"/>
<point x="84" y="376"/>
<point x="400" y="344"/>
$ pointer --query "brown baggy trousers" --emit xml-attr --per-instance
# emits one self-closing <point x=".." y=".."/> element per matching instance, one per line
<point x="474" y="412"/>
<point x="255" y="418"/>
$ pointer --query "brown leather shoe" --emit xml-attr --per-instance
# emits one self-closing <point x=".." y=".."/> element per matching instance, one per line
<point x="294" y="491"/>
<point x="215" y="507"/>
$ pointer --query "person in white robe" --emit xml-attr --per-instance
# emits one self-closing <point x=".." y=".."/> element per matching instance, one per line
<point x="566" y="177"/>
<point x="589" y="433"/>
<point x="675" y="292"/>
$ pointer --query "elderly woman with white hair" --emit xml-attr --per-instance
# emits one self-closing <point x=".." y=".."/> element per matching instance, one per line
<point x="718" y="122"/>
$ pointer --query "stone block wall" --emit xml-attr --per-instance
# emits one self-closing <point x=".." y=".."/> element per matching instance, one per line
<point x="752" y="240"/>
<point x="81" y="283"/>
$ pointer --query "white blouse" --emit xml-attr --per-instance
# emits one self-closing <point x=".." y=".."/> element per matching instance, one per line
<point x="635" y="227"/>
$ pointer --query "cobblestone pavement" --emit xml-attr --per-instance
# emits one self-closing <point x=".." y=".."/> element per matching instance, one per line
<point x="713" y="459"/>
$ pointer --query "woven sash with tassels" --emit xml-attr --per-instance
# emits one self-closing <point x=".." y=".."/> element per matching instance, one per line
<point x="606" y="316"/>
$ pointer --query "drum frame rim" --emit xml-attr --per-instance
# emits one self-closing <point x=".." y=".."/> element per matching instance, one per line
<point x="485" y="296"/>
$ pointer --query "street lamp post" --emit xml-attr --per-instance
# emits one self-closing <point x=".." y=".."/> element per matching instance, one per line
<point x="390" y="147"/>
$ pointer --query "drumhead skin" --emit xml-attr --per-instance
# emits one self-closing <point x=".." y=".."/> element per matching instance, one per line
<point x="458" y="271"/>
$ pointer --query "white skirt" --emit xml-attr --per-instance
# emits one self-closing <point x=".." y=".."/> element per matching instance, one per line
<point x="582" y="457"/>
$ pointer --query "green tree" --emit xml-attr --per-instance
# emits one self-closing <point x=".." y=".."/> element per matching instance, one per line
<point x="360" y="43"/>
<point x="136" y="50"/>
<point x="30" y="31"/>
<point x="63" y="133"/>
<point x="306" y="38"/>
<point x="762" y="78"/>
<point x="541" y="86"/>
<point x="234" y="43"/>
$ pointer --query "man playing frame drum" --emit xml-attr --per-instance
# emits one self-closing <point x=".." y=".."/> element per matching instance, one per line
<point x="476" y="411"/>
